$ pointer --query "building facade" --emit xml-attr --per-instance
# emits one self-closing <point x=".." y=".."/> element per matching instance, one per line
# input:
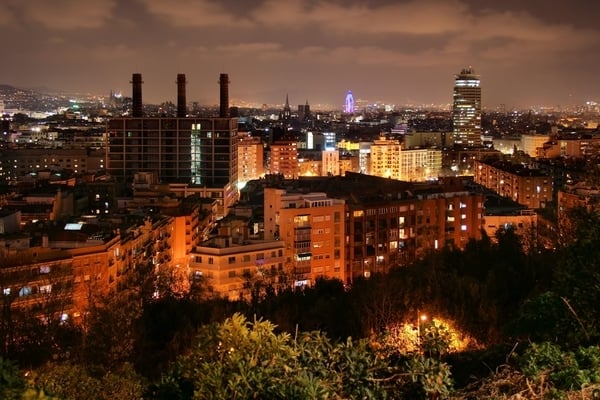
<point x="528" y="187"/>
<point x="312" y="227"/>
<point x="389" y="160"/>
<point x="386" y="232"/>
<point x="250" y="159"/>
<point x="200" y="151"/>
<point x="229" y="267"/>
<point x="20" y="162"/>
<point x="330" y="163"/>
<point x="284" y="159"/>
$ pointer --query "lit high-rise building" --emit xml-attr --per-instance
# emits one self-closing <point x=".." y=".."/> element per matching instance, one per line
<point x="466" y="110"/>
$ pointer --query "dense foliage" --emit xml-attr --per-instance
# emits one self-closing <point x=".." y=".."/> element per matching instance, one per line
<point x="534" y="314"/>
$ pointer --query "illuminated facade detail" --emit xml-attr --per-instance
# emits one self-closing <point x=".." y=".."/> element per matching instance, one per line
<point x="466" y="109"/>
<point x="196" y="154"/>
<point x="330" y="142"/>
<point x="385" y="159"/>
<point x="349" y="103"/>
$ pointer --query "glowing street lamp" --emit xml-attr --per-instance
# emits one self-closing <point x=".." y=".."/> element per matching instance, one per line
<point x="421" y="319"/>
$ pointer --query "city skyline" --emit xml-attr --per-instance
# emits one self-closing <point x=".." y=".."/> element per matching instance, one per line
<point x="388" y="51"/>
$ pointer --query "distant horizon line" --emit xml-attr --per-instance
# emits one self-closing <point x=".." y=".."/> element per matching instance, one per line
<point x="318" y="106"/>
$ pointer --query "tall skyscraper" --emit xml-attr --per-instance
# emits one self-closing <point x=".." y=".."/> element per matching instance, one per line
<point x="466" y="109"/>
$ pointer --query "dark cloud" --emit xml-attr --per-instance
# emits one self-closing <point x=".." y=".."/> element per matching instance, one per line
<point x="393" y="51"/>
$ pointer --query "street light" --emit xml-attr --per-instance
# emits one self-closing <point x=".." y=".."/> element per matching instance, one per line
<point x="421" y="318"/>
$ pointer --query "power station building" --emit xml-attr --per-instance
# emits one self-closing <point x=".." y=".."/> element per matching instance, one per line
<point x="198" y="154"/>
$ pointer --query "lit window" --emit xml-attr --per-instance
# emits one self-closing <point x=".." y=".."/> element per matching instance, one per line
<point x="45" y="289"/>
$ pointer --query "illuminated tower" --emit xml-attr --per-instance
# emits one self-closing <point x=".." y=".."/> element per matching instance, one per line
<point x="349" y="103"/>
<point x="466" y="110"/>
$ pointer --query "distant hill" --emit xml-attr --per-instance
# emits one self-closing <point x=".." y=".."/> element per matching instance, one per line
<point x="30" y="99"/>
<point x="9" y="90"/>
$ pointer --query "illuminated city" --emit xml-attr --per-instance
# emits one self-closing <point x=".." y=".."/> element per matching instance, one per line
<point x="299" y="200"/>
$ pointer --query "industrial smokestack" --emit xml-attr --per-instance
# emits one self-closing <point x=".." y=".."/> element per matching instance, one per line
<point x="136" y="106"/>
<point x="224" y="84"/>
<point x="181" y="102"/>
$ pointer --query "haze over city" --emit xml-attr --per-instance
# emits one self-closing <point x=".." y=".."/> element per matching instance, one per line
<point x="401" y="52"/>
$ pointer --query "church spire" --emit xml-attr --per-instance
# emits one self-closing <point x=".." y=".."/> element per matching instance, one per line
<point x="287" y="111"/>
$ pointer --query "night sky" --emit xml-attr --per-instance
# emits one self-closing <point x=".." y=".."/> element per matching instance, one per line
<point x="527" y="52"/>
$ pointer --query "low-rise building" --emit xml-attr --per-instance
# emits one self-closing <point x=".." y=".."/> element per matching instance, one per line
<point x="230" y="266"/>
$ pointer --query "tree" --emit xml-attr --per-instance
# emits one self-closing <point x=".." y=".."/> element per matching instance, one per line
<point x="109" y="338"/>
<point x="12" y="384"/>
<point x="578" y="275"/>
<point x="72" y="381"/>
<point x="239" y="359"/>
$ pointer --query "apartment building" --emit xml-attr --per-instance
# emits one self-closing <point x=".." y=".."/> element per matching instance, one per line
<point x="81" y="260"/>
<point x="397" y="226"/>
<point x="526" y="186"/>
<point x="390" y="160"/>
<point x="284" y="159"/>
<point x="250" y="158"/>
<point x="583" y="146"/>
<point x="19" y="163"/>
<point x="312" y="227"/>
<point x="230" y="266"/>
<point x="384" y="222"/>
